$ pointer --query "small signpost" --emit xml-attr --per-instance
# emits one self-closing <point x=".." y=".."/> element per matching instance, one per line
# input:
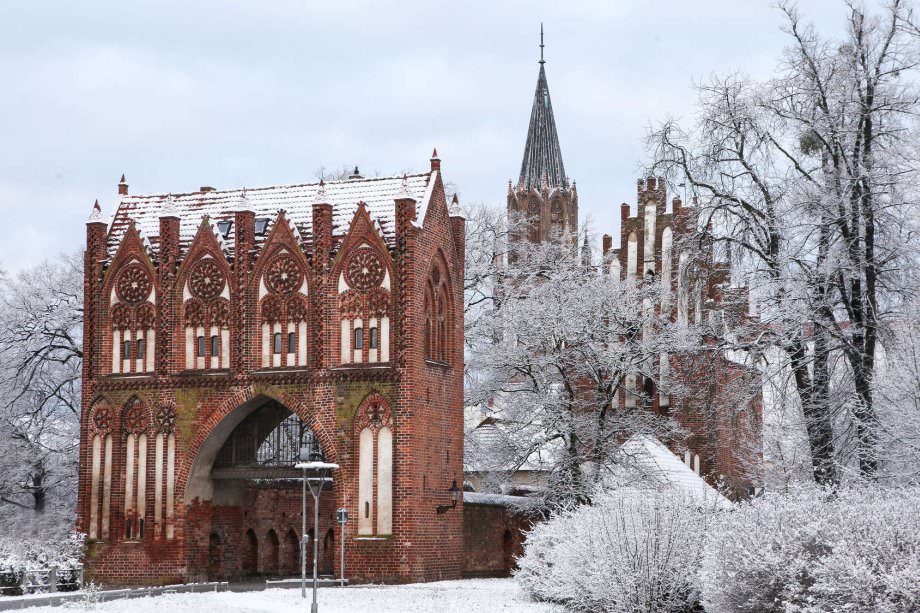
<point x="341" y="516"/>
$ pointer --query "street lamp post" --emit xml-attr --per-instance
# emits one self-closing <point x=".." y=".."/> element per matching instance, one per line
<point x="315" y="475"/>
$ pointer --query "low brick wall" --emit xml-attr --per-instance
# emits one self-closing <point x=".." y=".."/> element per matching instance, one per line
<point x="493" y="537"/>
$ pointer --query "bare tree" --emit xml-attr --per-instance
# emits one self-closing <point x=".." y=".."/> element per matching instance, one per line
<point x="41" y="352"/>
<point x="808" y="179"/>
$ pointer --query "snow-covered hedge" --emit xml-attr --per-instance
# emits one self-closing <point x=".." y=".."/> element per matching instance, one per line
<point x="856" y="550"/>
<point x="19" y="555"/>
<point x="808" y="551"/>
<point x="633" y="550"/>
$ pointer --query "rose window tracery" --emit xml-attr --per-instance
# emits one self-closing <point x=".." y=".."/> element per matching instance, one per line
<point x="194" y="313"/>
<point x="296" y="309"/>
<point x="121" y="316"/>
<point x="206" y="280"/>
<point x="364" y="270"/>
<point x="102" y="418"/>
<point x="165" y="419"/>
<point x="283" y="275"/>
<point x="219" y="313"/>
<point x="271" y="309"/>
<point x="135" y="418"/>
<point x="146" y="315"/>
<point x="133" y="283"/>
<point x="373" y="414"/>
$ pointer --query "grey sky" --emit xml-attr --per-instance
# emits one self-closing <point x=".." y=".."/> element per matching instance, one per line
<point x="229" y="93"/>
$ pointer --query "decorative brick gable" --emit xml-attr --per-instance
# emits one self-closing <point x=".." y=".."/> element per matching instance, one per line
<point x="170" y="455"/>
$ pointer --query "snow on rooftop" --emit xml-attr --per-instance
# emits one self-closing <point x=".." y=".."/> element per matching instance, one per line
<point x="297" y="201"/>
<point x="654" y="462"/>
<point x="489" y="447"/>
<point x="497" y="500"/>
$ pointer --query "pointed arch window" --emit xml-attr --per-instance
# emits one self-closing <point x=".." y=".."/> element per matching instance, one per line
<point x="437" y="314"/>
<point x="364" y="308"/>
<point x="101" y="422"/>
<point x="648" y="243"/>
<point x="283" y="312"/>
<point x="206" y="316"/>
<point x="667" y="280"/>
<point x="132" y="316"/>
<point x="557" y="218"/>
<point x="533" y="220"/>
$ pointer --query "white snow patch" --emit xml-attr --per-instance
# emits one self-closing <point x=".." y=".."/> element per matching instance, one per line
<point x="443" y="597"/>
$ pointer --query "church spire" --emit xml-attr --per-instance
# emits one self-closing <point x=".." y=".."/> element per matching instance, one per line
<point x="542" y="154"/>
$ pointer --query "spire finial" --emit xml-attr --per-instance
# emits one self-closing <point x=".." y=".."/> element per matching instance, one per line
<point x="96" y="215"/>
<point x="542" y="61"/>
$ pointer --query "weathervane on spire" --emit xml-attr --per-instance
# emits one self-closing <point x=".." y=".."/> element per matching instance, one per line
<point x="542" y="61"/>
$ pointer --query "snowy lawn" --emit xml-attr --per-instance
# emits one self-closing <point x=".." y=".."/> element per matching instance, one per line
<point x="441" y="597"/>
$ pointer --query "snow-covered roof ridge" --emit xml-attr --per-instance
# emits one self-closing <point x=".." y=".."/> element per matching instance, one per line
<point x="378" y="194"/>
<point x="654" y="462"/>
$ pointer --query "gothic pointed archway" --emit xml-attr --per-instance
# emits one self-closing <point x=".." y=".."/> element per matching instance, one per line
<point x="244" y="486"/>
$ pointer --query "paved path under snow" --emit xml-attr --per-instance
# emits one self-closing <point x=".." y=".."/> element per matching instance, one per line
<point x="472" y="595"/>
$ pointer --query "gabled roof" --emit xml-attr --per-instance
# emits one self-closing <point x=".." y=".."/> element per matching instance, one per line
<point x="542" y="154"/>
<point x="297" y="201"/>
<point x="652" y="462"/>
<point x="488" y="448"/>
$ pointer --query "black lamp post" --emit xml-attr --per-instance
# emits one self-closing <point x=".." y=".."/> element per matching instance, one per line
<point x="454" y="497"/>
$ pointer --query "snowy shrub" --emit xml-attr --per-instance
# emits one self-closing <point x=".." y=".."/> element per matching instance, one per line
<point x="811" y="551"/>
<point x="633" y="550"/>
<point x="18" y="556"/>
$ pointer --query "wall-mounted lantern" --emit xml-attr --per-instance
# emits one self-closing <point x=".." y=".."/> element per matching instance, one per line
<point x="454" y="497"/>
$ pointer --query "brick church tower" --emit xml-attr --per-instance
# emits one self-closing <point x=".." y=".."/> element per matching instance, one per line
<point x="225" y="331"/>
<point x="543" y="194"/>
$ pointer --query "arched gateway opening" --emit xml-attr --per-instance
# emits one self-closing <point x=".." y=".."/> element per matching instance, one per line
<point x="244" y="487"/>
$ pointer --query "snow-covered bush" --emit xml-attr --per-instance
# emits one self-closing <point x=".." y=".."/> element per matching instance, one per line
<point x="19" y="555"/>
<point x="633" y="550"/>
<point x="811" y="551"/>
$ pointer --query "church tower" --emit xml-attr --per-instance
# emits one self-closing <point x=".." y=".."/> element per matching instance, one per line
<point x="543" y="194"/>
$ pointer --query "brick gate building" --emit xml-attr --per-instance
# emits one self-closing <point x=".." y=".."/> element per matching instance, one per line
<point x="225" y="330"/>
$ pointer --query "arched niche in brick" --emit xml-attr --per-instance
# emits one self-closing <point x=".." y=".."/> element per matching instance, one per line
<point x="373" y="426"/>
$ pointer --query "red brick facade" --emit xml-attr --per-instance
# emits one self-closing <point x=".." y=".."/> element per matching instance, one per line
<point x="187" y="333"/>
<point x="717" y="400"/>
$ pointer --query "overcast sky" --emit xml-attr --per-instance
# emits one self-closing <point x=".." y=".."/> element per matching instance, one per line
<point x="179" y="94"/>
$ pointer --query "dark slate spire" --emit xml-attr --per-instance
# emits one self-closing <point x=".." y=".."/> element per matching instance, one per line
<point x="542" y="155"/>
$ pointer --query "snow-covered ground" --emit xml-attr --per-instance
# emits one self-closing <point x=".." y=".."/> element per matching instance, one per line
<point x="441" y="597"/>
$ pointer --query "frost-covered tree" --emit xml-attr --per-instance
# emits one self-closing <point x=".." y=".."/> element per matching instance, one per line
<point x="550" y="342"/>
<point x="40" y="368"/>
<point x="809" y="180"/>
<point x="898" y="390"/>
